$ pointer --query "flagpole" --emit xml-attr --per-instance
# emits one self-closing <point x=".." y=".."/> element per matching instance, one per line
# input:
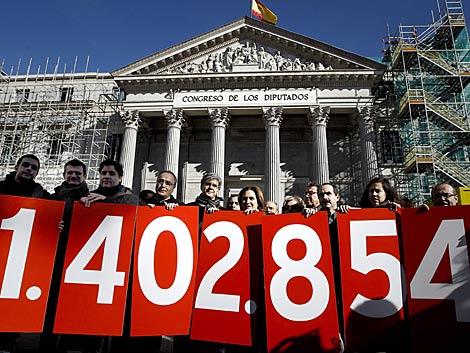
<point x="251" y="5"/>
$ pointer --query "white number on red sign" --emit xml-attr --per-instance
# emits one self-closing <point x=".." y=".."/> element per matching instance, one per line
<point x="109" y="232"/>
<point x="146" y="260"/>
<point x="451" y="236"/>
<point x="363" y="263"/>
<point x="304" y="267"/>
<point x="22" y="225"/>
<point x="205" y="298"/>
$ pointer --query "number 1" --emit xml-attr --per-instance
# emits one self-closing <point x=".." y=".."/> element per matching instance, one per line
<point x="22" y="225"/>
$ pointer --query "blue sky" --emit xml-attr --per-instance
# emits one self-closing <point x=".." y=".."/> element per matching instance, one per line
<point x="116" y="33"/>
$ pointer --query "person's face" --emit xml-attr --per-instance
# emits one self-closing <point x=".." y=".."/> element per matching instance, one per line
<point x="73" y="175"/>
<point x="271" y="208"/>
<point x="165" y="185"/>
<point x="27" y="170"/>
<point x="444" y="195"/>
<point x="311" y="197"/>
<point x="249" y="201"/>
<point x="377" y="194"/>
<point x="292" y="206"/>
<point x="109" y="177"/>
<point x="233" y="204"/>
<point x="328" y="198"/>
<point x="210" y="188"/>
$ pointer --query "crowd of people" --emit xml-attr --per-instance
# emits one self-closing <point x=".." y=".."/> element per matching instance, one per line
<point x="325" y="197"/>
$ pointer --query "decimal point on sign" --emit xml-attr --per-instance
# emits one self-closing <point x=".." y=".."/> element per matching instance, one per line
<point x="250" y="307"/>
<point x="33" y="293"/>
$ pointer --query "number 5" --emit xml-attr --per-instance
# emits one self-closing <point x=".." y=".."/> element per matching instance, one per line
<point x="363" y="263"/>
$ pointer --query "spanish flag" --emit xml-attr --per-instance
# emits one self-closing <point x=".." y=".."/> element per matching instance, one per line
<point x="262" y="12"/>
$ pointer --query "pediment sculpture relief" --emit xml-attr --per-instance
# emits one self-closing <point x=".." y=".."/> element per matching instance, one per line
<point x="245" y="56"/>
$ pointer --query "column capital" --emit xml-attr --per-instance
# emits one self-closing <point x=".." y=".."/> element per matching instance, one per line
<point x="174" y="118"/>
<point x="219" y="117"/>
<point x="272" y="116"/>
<point x="318" y="115"/>
<point x="131" y="119"/>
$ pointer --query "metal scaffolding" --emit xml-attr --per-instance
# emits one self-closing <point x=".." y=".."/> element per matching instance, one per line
<point x="429" y="76"/>
<point x="57" y="116"/>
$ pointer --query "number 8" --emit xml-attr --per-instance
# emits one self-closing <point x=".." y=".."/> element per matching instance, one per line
<point x="304" y="267"/>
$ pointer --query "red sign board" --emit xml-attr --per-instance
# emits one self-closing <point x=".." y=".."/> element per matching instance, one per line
<point x="93" y="292"/>
<point x="28" y="241"/>
<point x="372" y="281"/>
<point x="226" y="297"/>
<point x="438" y="277"/>
<point x="165" y="260"/>
<point x="301" y="314"/>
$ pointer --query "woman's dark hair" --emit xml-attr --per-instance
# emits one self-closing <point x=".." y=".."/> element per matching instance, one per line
<point x="391" y="194"/>
<point x="295" y="208"/>
<point x="258" y="193"/>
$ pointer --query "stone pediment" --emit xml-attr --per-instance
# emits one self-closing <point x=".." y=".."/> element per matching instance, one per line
<point x="247" y="45"/>
<point x="246" y="56"/>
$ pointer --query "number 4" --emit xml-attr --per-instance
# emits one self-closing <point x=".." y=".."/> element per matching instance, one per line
<point x="109" y="232"/>
<point x="450" y="235"/>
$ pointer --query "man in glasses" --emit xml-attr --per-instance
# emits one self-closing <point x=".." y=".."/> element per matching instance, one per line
<point x="444" y="194"/>
<point x="166" y="183"/>
<point x="311" y="196"/>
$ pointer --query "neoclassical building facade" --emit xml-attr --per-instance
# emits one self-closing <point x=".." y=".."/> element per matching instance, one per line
<point x="256" y="104"/>
<point x="252" y="102"/>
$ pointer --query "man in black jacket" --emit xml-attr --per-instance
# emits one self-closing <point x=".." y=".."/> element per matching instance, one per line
<point x="20" y="182"/>
<point x="166" y="183"/>
<point x="73" y="188"/>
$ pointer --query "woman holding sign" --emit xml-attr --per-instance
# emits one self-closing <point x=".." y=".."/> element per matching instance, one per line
<point x="251" y="199"/>
<point x="380" y="193"/>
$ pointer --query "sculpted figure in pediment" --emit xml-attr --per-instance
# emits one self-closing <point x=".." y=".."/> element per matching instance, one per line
<point x="227" y="58"/>
<point x="248" y="54"/>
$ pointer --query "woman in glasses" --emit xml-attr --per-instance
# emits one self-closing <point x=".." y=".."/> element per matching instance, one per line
<point x="208" y="201"/>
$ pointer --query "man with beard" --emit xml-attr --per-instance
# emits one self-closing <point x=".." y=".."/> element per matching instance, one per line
<point x="329" y="198"/>
<point x="20" y="182"/>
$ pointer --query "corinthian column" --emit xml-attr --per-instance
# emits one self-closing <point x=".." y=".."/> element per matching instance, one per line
<point x="272" y="169"/>
<point x="219" y="120"/>
<point x="367" y="117"/>
<point x="132" y="122"/>
<point x="175" y="120"/>
<point x="318" y="118"/>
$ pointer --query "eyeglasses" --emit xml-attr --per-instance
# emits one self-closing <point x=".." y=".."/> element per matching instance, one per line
<point x="215" y="186"/>
<point x="444" y="195"/>
<point x="165" y="182"/>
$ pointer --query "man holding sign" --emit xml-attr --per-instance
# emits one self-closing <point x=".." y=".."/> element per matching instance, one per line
<point x="20" y="182"/>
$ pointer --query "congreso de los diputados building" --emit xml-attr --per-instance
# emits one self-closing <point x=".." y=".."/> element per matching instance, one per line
<point x="252" y="102"/>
